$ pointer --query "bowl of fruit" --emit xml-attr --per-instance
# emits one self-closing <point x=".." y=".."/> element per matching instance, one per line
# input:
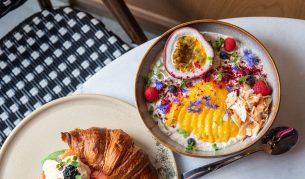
<point x="207" y="88"/>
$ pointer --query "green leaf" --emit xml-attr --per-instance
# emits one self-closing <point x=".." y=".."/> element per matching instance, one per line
<point x="220" y="75"/>
<point x="164" y="125"/>
<point x="151" y="110"/>
<point x="75" y="163"/>
<point x="53" y="156"/>
<point x="183" y="132"/>
<point x="161" y="96"/>
<point x="235" y="60"/>
<point x="190" y="146"/>
<point x="210" y="59"/>
<point x="243" y="78"/>
<point x="182" y="84"/>
<point x="234" y="54"/>
<point x="60" y="166"/>
<point x="78" y="177"/>
<point x="160" y="76"/>
<point x="218" y="43"/>
<point x="215" y="147"/>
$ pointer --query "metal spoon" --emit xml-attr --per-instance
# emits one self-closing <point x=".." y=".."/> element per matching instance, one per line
<point x="276" y="141"/>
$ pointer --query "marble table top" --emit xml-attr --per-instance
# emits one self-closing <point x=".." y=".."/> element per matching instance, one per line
<point x="285" y="39"/>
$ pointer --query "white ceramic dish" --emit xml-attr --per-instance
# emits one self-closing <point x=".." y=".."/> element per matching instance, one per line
<point x="39" y="134"/>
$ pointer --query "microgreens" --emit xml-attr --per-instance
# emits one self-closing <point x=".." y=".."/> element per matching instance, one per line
<point x="164" y="125"/>
<point x="190" y="146"/>
<point x="220" y="75"/>
<point x="182" y="84"/>
<point x="210" y="59"/>
<point x="215" y="147"/>
<point x="151" y="110"/>
<point x="60" y="165"/>
<point x="184" y="133"/>
<point x="218" y="43"/>
<point x="243" y="78"/>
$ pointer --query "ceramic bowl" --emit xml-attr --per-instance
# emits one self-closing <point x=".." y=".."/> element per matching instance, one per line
<point x="241" y="35"/>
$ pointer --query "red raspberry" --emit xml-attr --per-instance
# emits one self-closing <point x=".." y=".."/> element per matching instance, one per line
<point x="151" y="94"/>
<point x="261" y="87"/>
<point x="229" y="44"/>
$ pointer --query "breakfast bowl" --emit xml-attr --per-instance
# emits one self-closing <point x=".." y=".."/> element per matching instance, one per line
<point x="207" y="88"/>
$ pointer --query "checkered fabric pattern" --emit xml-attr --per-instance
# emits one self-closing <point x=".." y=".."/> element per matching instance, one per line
<point x="49" y="56"/>
<point x="9" y="5"/>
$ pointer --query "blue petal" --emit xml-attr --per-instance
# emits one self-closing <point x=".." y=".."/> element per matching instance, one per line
<point x="184" y="90"/>
<point x="250" y="58"/>
<point x="176" y="100"/>
<point x="229" y="89"/>
<point x="159" y="85"/>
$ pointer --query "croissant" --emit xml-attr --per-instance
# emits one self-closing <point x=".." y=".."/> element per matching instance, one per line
<point x="111" y="151"/>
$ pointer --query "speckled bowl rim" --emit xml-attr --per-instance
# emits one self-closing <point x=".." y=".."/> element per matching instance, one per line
<point x="274" y="109"/>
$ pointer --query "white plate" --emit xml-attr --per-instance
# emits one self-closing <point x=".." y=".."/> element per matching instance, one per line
<point x="39" y="134"/>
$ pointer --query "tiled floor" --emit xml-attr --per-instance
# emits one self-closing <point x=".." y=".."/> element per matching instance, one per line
<point x="13" y="18"/>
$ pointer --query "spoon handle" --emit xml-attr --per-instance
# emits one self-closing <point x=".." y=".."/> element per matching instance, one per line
<point x="200" y="171"/>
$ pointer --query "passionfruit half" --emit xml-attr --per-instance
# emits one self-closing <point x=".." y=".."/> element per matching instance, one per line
<point x="187" y="55"/>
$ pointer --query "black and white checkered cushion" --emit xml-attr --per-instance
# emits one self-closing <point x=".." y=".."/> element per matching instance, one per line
<point x="48" y="56"/>
<point x="9" y="5"/>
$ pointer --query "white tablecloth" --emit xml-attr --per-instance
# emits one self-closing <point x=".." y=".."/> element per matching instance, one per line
<point x="285" y="39"/>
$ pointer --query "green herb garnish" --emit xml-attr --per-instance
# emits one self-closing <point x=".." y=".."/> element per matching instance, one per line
<point x="235" y="58"/>
<point x="60" y="166"/>
<point x="182" y="84"/>
<point x="151" y="110"/>
<point x="210" y="59"/>
<point x="161" y="96"/>
<point x="215" y="147"/>
<point x="148" y="82"/>
<point x="243" y="78"/>
<point x="183" y="132"/>
<point x="160" y="76"/>
<point x="234" y="54"/>
<point x="75" y="163"/>
<point x="218" y="43"/>
<point x="190" y="146"/>
<point x="164" y="125"/>
<point x="53" y="156"/>
<point x="74" y="158"/>
<point x="220" y="75"/>
<point x="78" y="177"/>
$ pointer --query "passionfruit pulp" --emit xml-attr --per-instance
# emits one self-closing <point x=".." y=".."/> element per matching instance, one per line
<point x="187" y="54"/>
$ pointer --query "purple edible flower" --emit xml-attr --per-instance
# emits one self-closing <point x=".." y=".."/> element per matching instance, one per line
<point x="235" y="68"/>
<point x="159" y="85"/>
<point x="207" y="105"/>
<point x="227" y="113"/>
<point x="163" y="108"/>
<point x="176" y="100"/>
<point x="230" y="89"/>
<point x="250" y="58"/>
<point x="189" y="109"/>
<point x="198" y="102"/>
<point x="207" y="98"/>
<point x="197" y="110"/>
<point x="184" y="90"/>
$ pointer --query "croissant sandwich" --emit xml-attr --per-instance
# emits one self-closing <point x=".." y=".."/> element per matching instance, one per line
<point x="100" y="153"/>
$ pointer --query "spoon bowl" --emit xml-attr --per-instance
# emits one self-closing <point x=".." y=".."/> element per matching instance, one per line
<point x="279" y="140"/>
